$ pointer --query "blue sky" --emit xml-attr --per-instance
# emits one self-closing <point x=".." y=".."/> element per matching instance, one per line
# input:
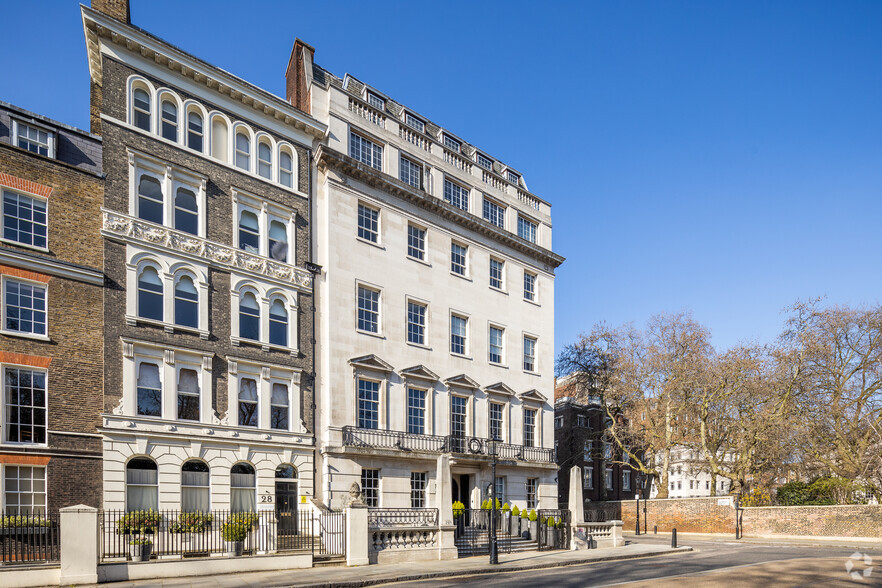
<point x="719" y="157"/>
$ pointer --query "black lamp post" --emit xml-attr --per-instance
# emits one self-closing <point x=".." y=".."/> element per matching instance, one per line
<point x="494" y="553"/>
<point x="639" y="486"/>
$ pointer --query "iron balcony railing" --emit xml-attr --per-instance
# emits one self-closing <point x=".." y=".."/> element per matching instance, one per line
<point x="459" y="444"/>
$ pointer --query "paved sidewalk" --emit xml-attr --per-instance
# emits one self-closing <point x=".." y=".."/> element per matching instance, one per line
<point x="381" y="574"/>
<point x="685" y="538"/>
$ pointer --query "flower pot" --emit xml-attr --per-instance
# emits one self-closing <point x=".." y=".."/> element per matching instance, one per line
<point x="234" y="548"/>
<point x="534" y="530"/>
<point x="514" y="526"/>
<point x="140" y="551"/>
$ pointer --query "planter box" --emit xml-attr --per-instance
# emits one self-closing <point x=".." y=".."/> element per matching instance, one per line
<point x="234" y="548"/>
<point x="534" y="530"/>
<point x="22" y="531"/>
<point x="140" y="552"/>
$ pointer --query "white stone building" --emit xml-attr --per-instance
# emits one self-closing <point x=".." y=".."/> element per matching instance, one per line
<point x="688" y="476"/>
<point x="435" y="319"/>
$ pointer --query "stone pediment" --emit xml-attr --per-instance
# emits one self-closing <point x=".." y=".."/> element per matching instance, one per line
<point x="370" y="362"/>
<point x="462" y="381"/>
<point x="533" y="395"/>
<point x="419" y="372"/>
<point x="499" y="388"/>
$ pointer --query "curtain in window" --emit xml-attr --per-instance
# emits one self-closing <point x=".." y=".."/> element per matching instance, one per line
<point x="278" y="241"/>
<point x="149" y="390"/>
<point x="242" y="485"/>
<point x="194" y="487"/>
<point x="142" y="491"/>
<point x="188" y="395"/>
<point x="279" y="407"/>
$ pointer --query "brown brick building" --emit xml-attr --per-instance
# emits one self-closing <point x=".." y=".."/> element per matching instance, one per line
<point x="51" y="294"/>
<point x="209" y="309"/>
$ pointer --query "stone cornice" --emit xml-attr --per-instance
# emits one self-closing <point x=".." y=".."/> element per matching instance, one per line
<point x="53" y="267"/>
<point x="98" y="26"/>
<point x="330" y="159"/>
<point x="126" y="228"/>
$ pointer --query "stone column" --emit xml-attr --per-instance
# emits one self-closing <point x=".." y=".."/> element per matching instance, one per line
<point x="444" y="495"/>
<point x="357" y="535"/>
<point x="79" y="545"/>
<point x="579" y="538"/>
<point x="617" y="539"/>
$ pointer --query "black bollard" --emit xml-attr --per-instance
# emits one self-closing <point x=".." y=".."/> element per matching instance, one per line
<point x="674" y="538"/>
<point x="655" y="529"/>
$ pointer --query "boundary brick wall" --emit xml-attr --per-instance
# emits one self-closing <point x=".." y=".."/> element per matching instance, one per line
<point x="706" y="515"/>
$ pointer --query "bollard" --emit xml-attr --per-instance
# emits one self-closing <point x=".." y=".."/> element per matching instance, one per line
<point x="655" y="529"/>
<point x="674" y="538"/>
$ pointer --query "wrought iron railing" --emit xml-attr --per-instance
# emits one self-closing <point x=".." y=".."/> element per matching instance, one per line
<point x="402" y="517"/>
<point x="29" y="539"/>
<point x="460" y="444"/>
<point x="554" y="529"/>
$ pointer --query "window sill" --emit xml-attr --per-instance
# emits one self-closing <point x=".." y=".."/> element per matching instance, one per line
<point x="500" y="290"/>
<point x="33" y="336"/>
<point x="533" y="302"/>
<point x="419" y="345"/>
<point x="21" y="444"/>
<point x="418" y="260"/>
<point x="529" y="373"/>
<point x="370" y="334"/>
<point x="499" y="365"/>
<point x="133" y="321"/>
<point x="24" y="245"/>
<point x="460" y="276"/>
<point x="239" y="342"/>
<point x="371" y="243"/>
<point x="461" y="356"/>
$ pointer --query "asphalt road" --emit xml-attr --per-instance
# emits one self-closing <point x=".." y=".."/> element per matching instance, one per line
<point x="713" y="563"/>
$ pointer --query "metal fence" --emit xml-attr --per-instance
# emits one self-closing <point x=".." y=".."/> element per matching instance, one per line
<point x="472" y="532"/>
<point x="379" y="518"/>
<point x="150" y="534"/>
<point x="329" y="532"/>
<point x="29" y="539"/>
<point x="554" y="529"/>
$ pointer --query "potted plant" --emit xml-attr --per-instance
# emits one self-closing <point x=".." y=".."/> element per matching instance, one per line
<point x="506" y="517"/>
<point x="534" y="525"/>
<point x="235" y="531"/>
<point x="140" y="546"/>
<point x="23" y="525"/>
<point x="515" y="522"/>
<point x="192" y="527"/>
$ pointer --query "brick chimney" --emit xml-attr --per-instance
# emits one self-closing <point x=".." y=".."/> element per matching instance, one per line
<point x="298" y="76"/>
<point x="118" y="9"/>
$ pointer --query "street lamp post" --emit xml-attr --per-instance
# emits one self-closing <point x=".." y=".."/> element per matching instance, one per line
<point x="639" y="481"/>
<point x="494" y="553"/>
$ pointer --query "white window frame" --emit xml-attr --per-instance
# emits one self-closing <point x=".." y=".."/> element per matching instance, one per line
<point x="379" y="492"/>
<point x="379" y="291"/>
<point x="414" y="163"/>
<point x="266" y="212"/>
<point x="425" y="238"/>
<point x="452" y="144"/>
<point x="3" y="501"/>
<point x="529" y="221"/>
<point x="535" y="356"/>
<point x="466" y="265"/>
<point x="503" y="423"/>
<point x="466" y="337"/>
<point x="501" y="287"/>
<point x="502" y="359"/>
<point x="488" y="217"/>
<point x="374" y="149"/>
<point x="478" y="159"/>
<point x="20" y="193"/>
<point x="465" y="194"/>
<point x="535" y="292"/>
<point x="265" y="375"/>
<point x="414" y="122"/>
<point x="426" y="321"/>
<point x="170" y="178"/>
<point x="375" y="100"/>
<point x="50" y="132"/>
<point x="4" y="279"/>
<point x="609" y="474"/>
<point x="265" y="295"/>
<point x="588" y="477"/>
<point x="358" y="228"/>
<point x="3" y="407"/>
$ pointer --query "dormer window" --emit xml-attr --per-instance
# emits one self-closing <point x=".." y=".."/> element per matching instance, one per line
<point x="414" y="123"/>
<point x="34" y="139"/>
<point x="484" y="162"/>
<point x="452" y="143"/>
<point x="513" y="177"/>
<point x="376" y="101"/>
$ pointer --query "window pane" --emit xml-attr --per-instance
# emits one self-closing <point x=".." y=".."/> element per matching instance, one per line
<point x="194" y="131"/>
<point x="416" y="323"/>
<point x="493" y="213"/>
<point x="365" y="151"/>
<point x="25" y="406"/>
<point x="278" y="241"/>
<point x="279" y="407"/>
<point x="496" y="345"/>
<point x="368" y="223"/>
<point x="529" y="286"/>
<point x="150" y="294"/>
<point x="149" y="390"/>
<point x="410" y="172"/>
<point x="370" y="487"/>
<point x="458" y="259"/>
<point x="249" y="232"/>
<point x="458" y="334"/>
<point x="264" y="160"/>
<point x="150" y="200"/>
<point x="169" y="121"/>
<point x="496" y="269"/>
<point x="368" y="310"/>
<point x="24" y="219"/>
<point x="247" y="402"/>
<point x="141" y="103"/>
<point x="278" y="323"/>
<point x="186" y="212"/>
<point x="243" y="151"/>
<point x="416" y="411"/>
<point x="25" y="307"/>
<point x="249" y="317"/>
<point x="368" y="404"/>
<point x="286" y="169"/>
<point x="457" y="416"/>
<point x="527" y="229"/>
<point x="456" y="195"/>
<point x="188" y="395"/>
<point x="416" y="242"/>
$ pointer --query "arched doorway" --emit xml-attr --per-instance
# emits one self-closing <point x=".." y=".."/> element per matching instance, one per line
<point x="286" y="504"/>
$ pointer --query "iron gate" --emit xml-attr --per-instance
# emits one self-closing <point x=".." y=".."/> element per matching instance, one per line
<point x="329" y="534"/>
<point x="554" y="529"/>
<point x="472" y="534"/>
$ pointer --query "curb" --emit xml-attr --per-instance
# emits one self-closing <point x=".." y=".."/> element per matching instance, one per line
<point x="483" y="571"/>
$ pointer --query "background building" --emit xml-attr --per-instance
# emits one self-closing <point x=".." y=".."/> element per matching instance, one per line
<point x="52" y="323"/>
<point x="688" y="476"/>
<point x="436" y="304"/>
<point x="208" y="312"/>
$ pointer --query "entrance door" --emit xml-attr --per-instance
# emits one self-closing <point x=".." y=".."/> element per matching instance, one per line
<point x="286" y="507"/>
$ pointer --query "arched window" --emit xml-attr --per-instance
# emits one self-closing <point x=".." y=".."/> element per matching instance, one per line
<point x="142" y="485"/>
<point x="265" y="160"/>
<point x="219" y="139"/>
<point x="195" y="132"/>
<point x="243" y="151"/>
<point x="150" y="199"/>
<point x="279" y="411"/>
<point x="141" y="107"/>
<point x="186" y="303"/>
<point x="278" y="241"/>
<point x="286" y="472"/>
<point x="150" y="294"/>
<point x="195" y="486"/>
<point x="169" y="126"/>
<point x="186" y="212"/>
<point x="286" y="168"/>
<point x="278" y="323"/>
<point x="188" y="394"/>
<point x="249" y="317"/>
<point x="249" y="232"/>
<point x="248" y="402"/>
<point x="149" y="390"/>
<point x="242" y="488"/>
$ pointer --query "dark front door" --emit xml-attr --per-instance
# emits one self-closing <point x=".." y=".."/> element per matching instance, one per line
<point x="286" y="507"/>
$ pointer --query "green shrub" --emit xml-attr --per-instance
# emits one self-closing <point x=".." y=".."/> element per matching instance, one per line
<point x="236" y="527"/>
<point x="533" y="516"/>
<point x="485" y="505"/>
<point x="458" y="509"/>
<point x="757" y="497"/>
<point x="23" y="521"/>
<point x="794" y="494"/>
<point x="830" y="490"/>
<point x="191" y="522"/>
<point x="505" y="507"/>
<point x="138" y="521"/>
<point x="515" y="512"/>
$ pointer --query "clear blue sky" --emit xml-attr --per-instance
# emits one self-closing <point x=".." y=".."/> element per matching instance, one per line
<point x="719" y="157"/>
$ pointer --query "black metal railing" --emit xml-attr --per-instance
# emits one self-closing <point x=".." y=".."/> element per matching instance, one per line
<point x="379" y="518"/>
<point x="459" y="444"/>
<point x="472" y="532"/>
<point x="149" y="534"/>
<point x="329" y="528"/>
<point x="29" y="539"/>
<point x="554" y="529"/>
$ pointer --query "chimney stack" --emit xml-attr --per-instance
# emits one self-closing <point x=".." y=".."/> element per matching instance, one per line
<point x="298" y="76"/>
<point x="118" y="9"/>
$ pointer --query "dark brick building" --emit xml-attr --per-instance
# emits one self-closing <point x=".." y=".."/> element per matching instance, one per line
<point x="209" y="310"/>
<point x="579" y="427"/>
<point x="51" y="294"/>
